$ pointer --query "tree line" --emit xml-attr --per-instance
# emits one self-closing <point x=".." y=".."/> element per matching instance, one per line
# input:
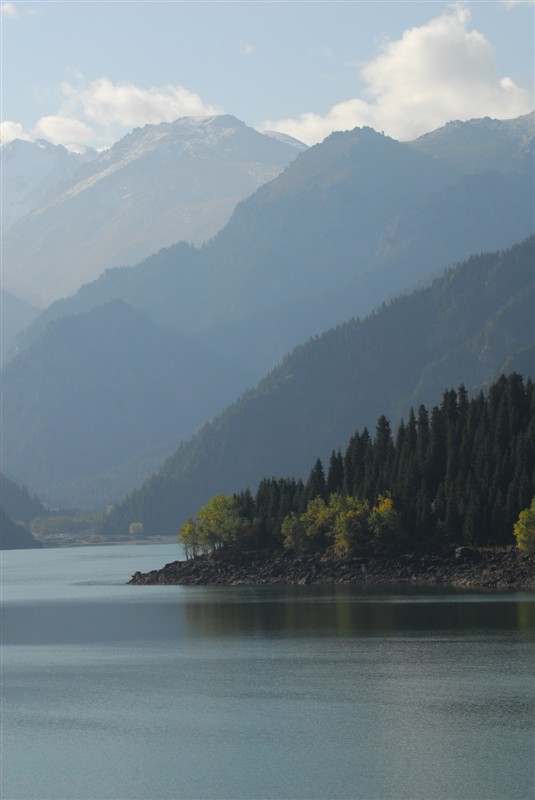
<point x="459" y="474"/>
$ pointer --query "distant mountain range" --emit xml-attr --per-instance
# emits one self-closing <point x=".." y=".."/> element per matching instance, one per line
<point x="349" y="224"/>
<point x="483" y="144"/>
<point x="158" y="185"/>
<point x="467" y="327"/>
<point x="32" y="172"/>
<point x="100" y="399"/>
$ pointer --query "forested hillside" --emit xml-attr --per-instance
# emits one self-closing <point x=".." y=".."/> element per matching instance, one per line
<point x="462" y="329"/>
<point x="458" y="474"/>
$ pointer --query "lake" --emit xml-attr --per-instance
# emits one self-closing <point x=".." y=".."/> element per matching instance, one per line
<point x="116" y="692"/>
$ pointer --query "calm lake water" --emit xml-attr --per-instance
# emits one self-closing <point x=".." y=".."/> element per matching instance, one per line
<point x="114" y="692"/>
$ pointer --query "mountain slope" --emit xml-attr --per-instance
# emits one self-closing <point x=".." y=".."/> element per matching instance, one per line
<point x="464" y="328"/>
<point x="13" y="536"/>
<point x="350" y="223"/>
<point x="31" y="172"/>
<point x="158" y="185"/>
<point x="482" y="144"/>
<point x="15" y="316"/>
<point x="17" y="502"/>
<point x="100" y="399"/>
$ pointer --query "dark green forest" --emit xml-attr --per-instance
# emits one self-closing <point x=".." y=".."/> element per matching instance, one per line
<point x="458" y="474"/>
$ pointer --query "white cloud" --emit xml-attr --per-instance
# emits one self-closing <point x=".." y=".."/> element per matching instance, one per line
<point x="99" y="112"/>
<point x="249" y="49"/>
<point x="113" y="109"/>
<point x="11" y="130"/>
<point x="60" y="129"/>
<point x="433" y="74"/>
<point x="125" y="104"/>
<point x="11" y="10"/>
<point x="8" y="10"/>
<point x="509" y="4"/>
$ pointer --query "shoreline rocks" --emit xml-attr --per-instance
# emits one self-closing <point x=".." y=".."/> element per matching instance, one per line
<point x="468" y="567"/>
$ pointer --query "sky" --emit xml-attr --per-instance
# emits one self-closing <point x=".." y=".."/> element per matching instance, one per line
<point x="86" y="73"/>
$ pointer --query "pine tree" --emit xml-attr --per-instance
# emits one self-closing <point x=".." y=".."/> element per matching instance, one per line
<point x="316" y="485"/>
<point x="335" y="475"/>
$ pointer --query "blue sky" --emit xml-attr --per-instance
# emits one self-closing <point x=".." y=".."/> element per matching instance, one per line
<point x="88" y="72"/>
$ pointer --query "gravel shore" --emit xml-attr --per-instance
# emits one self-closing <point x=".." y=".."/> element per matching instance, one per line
<point x="465" y="567"/>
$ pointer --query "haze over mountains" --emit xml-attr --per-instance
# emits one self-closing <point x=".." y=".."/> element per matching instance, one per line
<point x="468" y="327"/>
<point x="16" y="504"/>
<point x="103" y="397"/>
<point x="16" y="315"/>
<point x="483" y="144"/>
<point x="32" y="172"/>
<point x="349" y="224"/>
<point x="156" y="186"/>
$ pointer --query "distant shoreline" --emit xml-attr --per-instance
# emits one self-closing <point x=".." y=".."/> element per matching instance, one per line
<point x="467" y="567"/>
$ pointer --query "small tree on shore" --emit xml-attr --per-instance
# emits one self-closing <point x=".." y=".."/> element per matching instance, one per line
<point x="218" y="524"/>
<point x="524" y="529"/>
<point x="136" y="529"/>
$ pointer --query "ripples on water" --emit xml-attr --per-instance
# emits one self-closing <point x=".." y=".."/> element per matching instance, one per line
<point x="114" y="692"/>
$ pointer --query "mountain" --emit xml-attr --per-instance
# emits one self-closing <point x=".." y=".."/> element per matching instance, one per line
<point x="464" y="328"/>
<point x="31" y="172"/>
<point x="17" y="502"/>
<point x="14" y="317"/>
<point x="158" y="185"/>
<point x="100" y="399"/>
<point x="482" y="144"/>
<point x="350" y="223"/>
<point x="284" y="137"/>
<point x="13" y="536"/>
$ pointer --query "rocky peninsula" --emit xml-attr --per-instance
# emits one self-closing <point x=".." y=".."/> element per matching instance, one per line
<point x="465" y="567"/>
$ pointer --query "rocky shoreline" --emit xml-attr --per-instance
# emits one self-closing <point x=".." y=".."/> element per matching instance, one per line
<point x="466" y="567"/>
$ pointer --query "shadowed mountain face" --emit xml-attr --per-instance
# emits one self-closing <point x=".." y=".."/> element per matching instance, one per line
<point x="14" y="536"/>
<point x="470" y="325"/>
<point x="14" y="317"/>
<point x="101" y="389"/>
<point x="158" y="185"/>
<point x="17" y="502"/>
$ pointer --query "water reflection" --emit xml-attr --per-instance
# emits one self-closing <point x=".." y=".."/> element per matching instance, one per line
<point x="173" y="613"/>
<point x="348" y="611"/>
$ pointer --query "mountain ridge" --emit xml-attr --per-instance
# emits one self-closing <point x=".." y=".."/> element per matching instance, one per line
<point x="157" y="185"/>
<point x="326" y="216"/>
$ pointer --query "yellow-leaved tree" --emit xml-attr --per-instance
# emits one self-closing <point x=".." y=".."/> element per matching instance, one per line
<point x="524" y="530"/>
<point x="217" y="524"/>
